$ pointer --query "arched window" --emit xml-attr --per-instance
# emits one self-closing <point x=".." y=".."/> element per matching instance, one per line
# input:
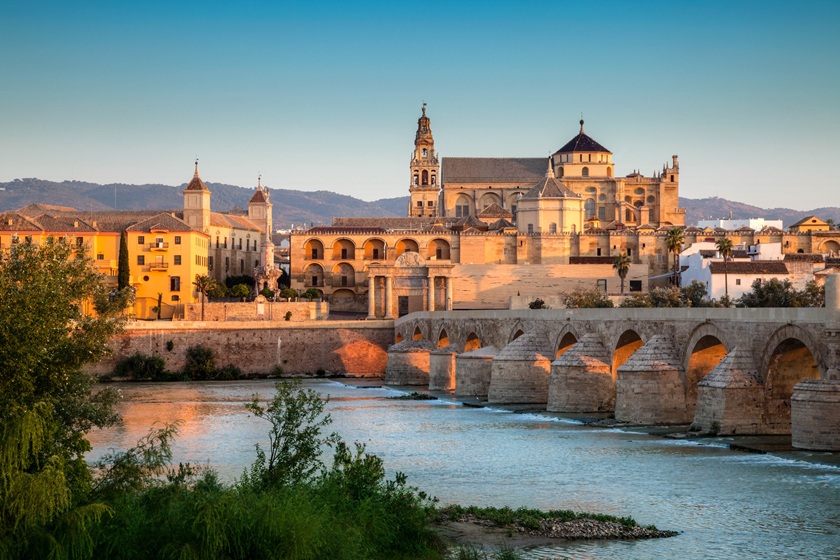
<point x="552" y="228"/>
<point x="589" y="208"/>
<point x="584" y="172"/>
<point x="609" y="171"/>
<point x="425" y="177"/>
<point x="425" y="152"/>
<point x="560" y="171"/>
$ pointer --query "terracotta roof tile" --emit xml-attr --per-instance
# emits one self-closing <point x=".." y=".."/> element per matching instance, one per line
<point x="494" y="211"/>
<point x="749" y="267"/>
<point x="12" y="221"/>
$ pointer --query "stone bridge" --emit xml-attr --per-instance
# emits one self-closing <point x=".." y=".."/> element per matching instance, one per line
<point x="727" y="371"/>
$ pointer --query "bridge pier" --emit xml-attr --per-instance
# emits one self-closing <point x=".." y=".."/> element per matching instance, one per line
<point x="730" y="399"/>
<point x="650" y="387"/>
<point x="520" y="372"/>
<point x="815" y="415"/>
<point x="442" y="368"/>
<point x="581" y="380"/>
<point x="408" y="363"/>
<point x="472" y="372"/>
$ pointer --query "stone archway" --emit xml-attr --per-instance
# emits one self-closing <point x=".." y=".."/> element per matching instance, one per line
<point x="472" y="343"/>
<point x="418" y="334"/>
<point x="565" y="341"/>
<point x="790" y="362"/>
<point x="625" y="346"/>
<point x="705" y="349"/>
<point x="443" y="339"/>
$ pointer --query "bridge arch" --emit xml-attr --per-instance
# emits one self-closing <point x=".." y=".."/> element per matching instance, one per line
<point x="517" y="331"/>
<point x="443" y="338"/>
<point x="398" y="338"/>
<point x="789" y="357"/>
<point x="567" y="338"/>
<point x="473" y="342"/>
<point x="418" y="334"/>
<point x="625" y="346"/>
<point x="707" y="346"/>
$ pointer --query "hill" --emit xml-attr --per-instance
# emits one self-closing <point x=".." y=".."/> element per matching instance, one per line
<point x="302" y="208"/>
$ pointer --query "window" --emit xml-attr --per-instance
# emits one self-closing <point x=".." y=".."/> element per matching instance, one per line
<point x="217" y="242"/>
<point x="314" y="253"/>
<point x="343" y="280"/>
<point x="635" y="285"/>
<point x="141" y="240"/>
<point x="314" y="280"/>
<point x="174" y="283"/>
<point x="552" y="228"/>
<point x="430" y="203"/>
<point x="672" y="178"/>
<point x="737" y="281"/>
<point x="438" y="253"/>
<point x="629" y="252"/>
<point x="141" y="260"/>
<point x="177" y="240"/>
<point x="177" y="259"/>
<point x="419" y="203"/>
<point x="425" y="152"/>
<point x="80" y="241"/>
<point x="530" y="228"/>
<point x="375" y="253"/>
<point x="256" y="264"/>
<point x="240" y="243"/>
<point x="344" y="253"/>
<point x="599" y="252"/>
<point x="225" y="245"/>
<point x="210" y="264"/>
<point x="100" y="256"/>
<point x="227" y="264"/>
<point x="589" y="208"/>
<point x="176" y="297"/>
<point x="602" y="213"/>
<point x="241" y="266"/>
<point x="584" y="172"/>
<point x="15" y="239"/>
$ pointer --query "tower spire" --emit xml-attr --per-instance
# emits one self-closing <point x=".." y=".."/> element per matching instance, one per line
<point x="196" y="168"/>
<point x="550" y="172"/>
<point x="581" y="123"/>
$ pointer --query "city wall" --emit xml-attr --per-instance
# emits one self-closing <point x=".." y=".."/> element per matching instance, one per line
<point x="256" y="311"/>
<point x="354" y="348"/>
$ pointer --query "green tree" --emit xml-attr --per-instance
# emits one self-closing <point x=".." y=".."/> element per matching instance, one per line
<point x="695" y="294"/>
<point x="203" y="284"/>
<point x="295" y="439"/>
<point x="240" y="291"/>
<point x="674" y="242"/>
<point x="658" y="297"/>
<point x="46" y="403"/>
<point x="123" y="271"/>
<point x="621" y="264"/>
<point x="781" y="293"/>
<point x="583" y="298"/>
<point x="724" y="247"/>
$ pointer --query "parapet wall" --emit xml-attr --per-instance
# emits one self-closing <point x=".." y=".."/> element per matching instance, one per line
<point x="273" y="311"/>
<point x="354" y="348"/>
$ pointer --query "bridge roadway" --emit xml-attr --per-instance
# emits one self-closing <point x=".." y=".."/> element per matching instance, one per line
<point x="730" y="371"/>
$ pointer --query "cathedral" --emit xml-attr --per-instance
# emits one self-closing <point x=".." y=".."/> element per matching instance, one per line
<point x="479" y="230"/>
<point x="572" y="190"/>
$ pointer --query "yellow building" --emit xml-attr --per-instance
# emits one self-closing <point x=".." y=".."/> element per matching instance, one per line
<point x="167" y="249"/>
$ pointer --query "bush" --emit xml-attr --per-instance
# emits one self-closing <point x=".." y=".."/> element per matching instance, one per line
<point x="311" y="293"/>
<point x="140" y="367"/>
<point x="537" y="304"/>
<point x="228" y="373"/>
<point x="240" y="291"/>
<point x="288" y="293"/>
<point x="288" y="316"/>
<point x="582" y="298"/>
<point x="200" y="364"/>
<point x="265" y="292"/>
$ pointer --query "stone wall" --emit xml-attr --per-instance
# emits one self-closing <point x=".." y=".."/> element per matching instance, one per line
<point x="354" y="348"/>
<point x="273" y="311"/>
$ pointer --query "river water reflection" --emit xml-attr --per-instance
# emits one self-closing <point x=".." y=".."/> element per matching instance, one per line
<point x="726" y="504"/>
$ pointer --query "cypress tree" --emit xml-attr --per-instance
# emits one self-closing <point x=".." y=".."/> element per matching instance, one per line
<point x="122" y="266"/>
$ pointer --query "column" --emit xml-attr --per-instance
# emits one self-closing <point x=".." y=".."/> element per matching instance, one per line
<point x="449" y="293"/>
<point x="431" y="306"/>
<point x="371" y="297"/>
<point x="389" y="297"/>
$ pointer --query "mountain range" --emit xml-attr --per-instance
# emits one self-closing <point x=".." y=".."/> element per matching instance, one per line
<point x="305" y="208"/>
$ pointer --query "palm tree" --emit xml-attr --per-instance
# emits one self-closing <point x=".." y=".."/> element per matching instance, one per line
<point x="204" y="284"/>
<point x="621" y="264"/>
<point x="674" y="241"/>
<point x="724" y="247"/>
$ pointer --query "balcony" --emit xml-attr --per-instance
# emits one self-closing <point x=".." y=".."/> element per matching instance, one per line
<point x="159" y="265"/>
<point x="159" y="246"/>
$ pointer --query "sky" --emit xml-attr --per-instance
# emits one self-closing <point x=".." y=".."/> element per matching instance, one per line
<point x="325" y="95"/>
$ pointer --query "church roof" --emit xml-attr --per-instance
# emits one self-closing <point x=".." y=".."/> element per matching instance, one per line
<point x="582" y="143"/>
<point x="494" y="211"/>
<point x="259" y="196"/>
<point x="490" y="170"/>
<point x="501" y="224"/>
<point x="550" y="187"/>
<point x="196" y="184"/>
<point x="469" y="221"/>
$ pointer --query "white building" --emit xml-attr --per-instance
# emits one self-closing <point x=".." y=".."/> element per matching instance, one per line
<point x="702" y="262"/>
<point x="729" y="224"/>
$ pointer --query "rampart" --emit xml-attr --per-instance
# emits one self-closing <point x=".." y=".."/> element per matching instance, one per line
<point x="353" y="348"/>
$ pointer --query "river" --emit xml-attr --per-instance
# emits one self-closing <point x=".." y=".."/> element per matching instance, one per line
<point x="726" y="504"/>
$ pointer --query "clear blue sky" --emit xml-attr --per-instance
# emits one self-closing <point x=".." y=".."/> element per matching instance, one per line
<point x="326" y="95"/>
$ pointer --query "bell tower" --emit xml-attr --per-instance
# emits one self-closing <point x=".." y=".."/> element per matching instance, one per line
<point x="425" y="170"/>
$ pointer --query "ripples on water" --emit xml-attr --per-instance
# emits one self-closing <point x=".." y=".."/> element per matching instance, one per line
<point x="725" y="503"/>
